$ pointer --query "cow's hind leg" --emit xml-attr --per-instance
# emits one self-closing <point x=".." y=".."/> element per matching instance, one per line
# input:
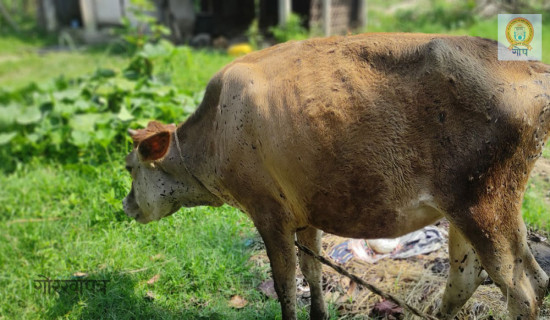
<point x="465" y="275"/>
<point x="513" y="268"/>
<point x="501" y="245"/>
<point x="311" y="268"/>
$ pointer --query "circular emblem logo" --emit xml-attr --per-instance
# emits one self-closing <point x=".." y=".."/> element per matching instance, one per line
<point x="520" y="32"/>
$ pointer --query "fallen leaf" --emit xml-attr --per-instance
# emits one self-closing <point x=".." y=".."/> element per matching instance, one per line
<point x="156" y="257"/>
<point x="237" y="302"/>
<point x="80" y="274"/>
<point x="149" y="296"/>
<point x="351" y="288"/>
<point x="387" y="309"/>
<point x="154" y="279"/>
<point x="268" y="288"/>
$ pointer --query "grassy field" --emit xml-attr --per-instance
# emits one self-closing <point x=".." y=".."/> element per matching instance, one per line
<point x="63" y="218"/>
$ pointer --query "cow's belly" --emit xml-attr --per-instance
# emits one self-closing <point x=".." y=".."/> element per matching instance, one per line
<point x="377" y="221"/>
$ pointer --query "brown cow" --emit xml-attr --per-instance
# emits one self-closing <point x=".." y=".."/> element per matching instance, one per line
<point x="368" y="136"/>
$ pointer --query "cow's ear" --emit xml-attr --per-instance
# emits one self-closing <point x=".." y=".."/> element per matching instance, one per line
<point x="154" y="147"/>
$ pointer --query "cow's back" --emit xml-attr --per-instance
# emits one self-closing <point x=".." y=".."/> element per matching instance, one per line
<point x="363" y="126"/>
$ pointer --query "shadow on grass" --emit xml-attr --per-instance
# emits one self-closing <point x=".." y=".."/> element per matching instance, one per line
<point x="123" y="301"/>
<point x="119" y="302"/>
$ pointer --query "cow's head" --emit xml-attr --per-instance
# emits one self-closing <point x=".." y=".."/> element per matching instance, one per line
<point x="161" y="184"/>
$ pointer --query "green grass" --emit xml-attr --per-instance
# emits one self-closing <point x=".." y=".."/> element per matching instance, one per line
<point x="31" y="65"/>
<point x="535" y="208"/>
<point x="192" y="69"/>
<point x="60" y="220"/>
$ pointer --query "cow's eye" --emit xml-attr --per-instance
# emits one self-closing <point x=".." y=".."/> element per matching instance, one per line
<point x="129" y="169"/>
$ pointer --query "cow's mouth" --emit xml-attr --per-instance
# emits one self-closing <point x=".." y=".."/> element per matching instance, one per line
<point x="174" y="209"/>
<point x="140" y="218"/>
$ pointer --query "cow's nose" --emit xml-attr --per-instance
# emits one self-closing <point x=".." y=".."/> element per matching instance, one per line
<point x="130" y="209"/>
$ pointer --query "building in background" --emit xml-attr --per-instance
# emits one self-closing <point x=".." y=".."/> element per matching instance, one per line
<point x="188" y="18"/>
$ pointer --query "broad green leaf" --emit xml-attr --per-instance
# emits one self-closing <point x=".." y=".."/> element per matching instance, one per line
<point x="43" y="86"/>
<point x="162" y="49"/>
<point x="164" y="91"/>
<point x="68" y="95"/>
<point x="8" y="115"/>
<point x="84" y="122"/>
<point x="105" y="89"/>
<point x="105" y="117"/>
<point x="142" y="122"/>
<point x="33" y="137"/>
<point x="138" y="102"/>
<point x="65" y="109"/>
<point x="124" y="84"/>
<point x="82" y="104"/>
<point x="80" y="138"/>
<point x="152" y="51"/>
<point x="56" y="137"/>
<point x="105" y="136"/>
<point x="6" y="137"/>
<point x="105" y="73"/>
<point x="158" y="91"/>
<point x="124" y="114"/>
<point x="29" y="115"/>
<point x="42" y="98"/>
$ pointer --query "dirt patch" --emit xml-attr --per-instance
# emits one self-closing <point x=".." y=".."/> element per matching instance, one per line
<point x="419" y="281"/>
<point x="542" y="168"/>
<point x="541" y="251"/>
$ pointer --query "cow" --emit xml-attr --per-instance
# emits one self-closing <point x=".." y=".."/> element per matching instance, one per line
<point x="366" y="136"/>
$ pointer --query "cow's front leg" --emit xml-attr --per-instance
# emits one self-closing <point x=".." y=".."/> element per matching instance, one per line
<point x="311" y="268"/>
<point x="279" y="243"/>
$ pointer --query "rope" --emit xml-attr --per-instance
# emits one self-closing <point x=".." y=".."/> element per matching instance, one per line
<point x="360" y="281"/>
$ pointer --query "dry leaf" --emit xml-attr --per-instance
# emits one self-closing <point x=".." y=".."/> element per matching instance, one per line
<point x="150" y="296"/>
<point x="80" y="274"/>
<point x="387" y="309"/>
<point x="154" y="279"/>
<point x="237" y="302"/>
<point x="156" y="257"/>
<point x="351" y="288"/>
<point x="268" y="288"/>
